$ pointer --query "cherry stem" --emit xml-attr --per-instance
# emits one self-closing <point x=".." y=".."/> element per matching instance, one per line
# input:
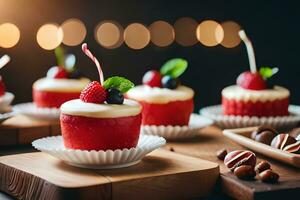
<point x="4" y="60"/>
<point x="94" y="59"/>
<point x="250" y="51"/>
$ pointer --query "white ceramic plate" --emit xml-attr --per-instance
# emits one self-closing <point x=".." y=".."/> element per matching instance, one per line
<point x="30" y="110"/>
<point x="6" y="116"/>
<point x="280" y="122"/>
<point x="179" y="132"/>
<point x="99" y="159"/>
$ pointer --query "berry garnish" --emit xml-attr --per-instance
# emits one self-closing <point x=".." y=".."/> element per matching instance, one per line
<point x="251" y="81"/>
<point x="111" y="90"/>
<point x="152" y="78"/>
<point x="2" y="87"/>
<point x="169" y="82"/>
<point x="57" y="72"/>
<point x="114" y="96"/>
<point x="93" y="93"/>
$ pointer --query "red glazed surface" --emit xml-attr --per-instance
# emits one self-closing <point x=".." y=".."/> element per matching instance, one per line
<point x="172" y="113"/>
<point x="52" y="99"/>
<point x="89" y="133"/>
<point x="259" y="109"/>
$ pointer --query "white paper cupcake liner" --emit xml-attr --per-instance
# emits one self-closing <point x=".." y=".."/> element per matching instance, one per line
<point x="99" y="159"/>
<point x="30" y="110"/>
<point x="224" y="121"/>
<point x="179" y="132"/>
<point x="5" y="102"/>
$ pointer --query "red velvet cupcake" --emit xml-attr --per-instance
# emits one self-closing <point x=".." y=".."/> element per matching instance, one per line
<point x="253" y="95"/>
<point x="101" y="119"/>
<point x="164" y="100"/>
<point x="63" y="83"/>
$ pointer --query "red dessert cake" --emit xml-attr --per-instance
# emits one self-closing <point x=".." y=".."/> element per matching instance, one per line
<point x="63" y="83"/>
<point x="101" y="119"/>
<point x="252" y="96"/>
<point x="164" y="100"/>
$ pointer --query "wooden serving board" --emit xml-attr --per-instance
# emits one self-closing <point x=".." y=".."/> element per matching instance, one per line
<point x="160" y="175"/>
<point x="242" y="137"/>
<point x="211" y="139"/>
<point x="23" y="130"/>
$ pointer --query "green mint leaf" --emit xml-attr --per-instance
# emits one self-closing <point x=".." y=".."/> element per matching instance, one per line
<point x="174" y="67"/>
<point x="60" y="56"/>
<point x="120" y="83"/>
<point x="267" y="72"/>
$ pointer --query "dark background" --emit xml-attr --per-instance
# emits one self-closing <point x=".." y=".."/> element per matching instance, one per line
<point x="273" y="27"/>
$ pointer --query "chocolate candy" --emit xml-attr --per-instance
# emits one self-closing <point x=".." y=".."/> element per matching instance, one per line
<point x="245" y="172"/>
<point x="221" y="154"/>
<point x="262" y="166"/>
<point x="282" y="140"/>
<point x="269" y="176"/>
<point x="264" y="134"/>
<point x="239" y="157"/>
<point x="293" y="148"/>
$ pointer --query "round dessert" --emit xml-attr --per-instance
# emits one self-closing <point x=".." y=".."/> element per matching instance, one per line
<point x="164" y="100"/>
<point x="91" y="126"/>
<point x="246" y="102"/>
<point x="252" y="95"/>
<point x="49" y="92"/>
<point x="101" y="119"/>
<point x="62" y="83"/>
<point x="163" y="106"/>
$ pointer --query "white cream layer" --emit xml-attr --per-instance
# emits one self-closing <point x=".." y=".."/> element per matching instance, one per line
<point x="160" y="95"/>
<point x="60" y="85"/>
<point x="241" y="94"/>
<point x="79" y="108"/>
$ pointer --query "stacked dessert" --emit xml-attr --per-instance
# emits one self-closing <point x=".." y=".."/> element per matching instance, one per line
<point x="101" y="118"/>
<point x="62" y="83"/>
<point x="165" y="101"/>
<point x="252" y="96"/>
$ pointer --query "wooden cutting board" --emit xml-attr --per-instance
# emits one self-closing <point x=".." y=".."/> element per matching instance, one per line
<point x="161" y="175"/>
<point x="20" y="130"/>
<point x="211" y="139"/>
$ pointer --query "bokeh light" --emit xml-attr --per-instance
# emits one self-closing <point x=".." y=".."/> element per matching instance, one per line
<point x="136" y="36"/>
<point x="210" y="33"/>
<point x="49" y="36"/>
<point x="109" y="34"/>
<point x="162" y="33"/>
<point x="9" y="35"/>
<point x="185" y="31"/>
<point x="231" y="37"/>
<point x="74" y="32"/>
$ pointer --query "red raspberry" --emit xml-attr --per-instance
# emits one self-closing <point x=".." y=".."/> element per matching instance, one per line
<point x="93" y="93"/>
<point x="2" y="87"/>
<point x="251" y="81"/>
<point x="57" y="72"/>
<point x="152" y="78"/>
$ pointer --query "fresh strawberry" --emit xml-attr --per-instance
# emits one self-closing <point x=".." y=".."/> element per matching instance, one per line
<point x="2" y="87"/>
<point x="251" y="81"/>
<point x="57" y="72"/>
<point x="93" y="93"/>
<point x="152" y="78"/>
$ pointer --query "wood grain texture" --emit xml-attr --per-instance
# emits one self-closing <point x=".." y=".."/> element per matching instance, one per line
<point x="21" y="130"/>
<point x="211" y="139"/>
<point x="161" y="175"/>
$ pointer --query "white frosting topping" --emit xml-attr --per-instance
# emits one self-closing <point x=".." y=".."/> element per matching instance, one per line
<point x="60" y="85"/>
<point x="160" y="95"/>
<point x="241" y="94"/>
<point x="79" y="108"/>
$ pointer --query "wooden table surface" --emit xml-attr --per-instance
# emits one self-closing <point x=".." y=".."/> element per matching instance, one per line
<point x="205" y="146"/>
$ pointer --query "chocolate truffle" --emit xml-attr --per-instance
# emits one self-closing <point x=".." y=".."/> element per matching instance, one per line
<point x="282" y="140"/>
<point x="239" y="157"/>
<point x="264" y="134"/>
